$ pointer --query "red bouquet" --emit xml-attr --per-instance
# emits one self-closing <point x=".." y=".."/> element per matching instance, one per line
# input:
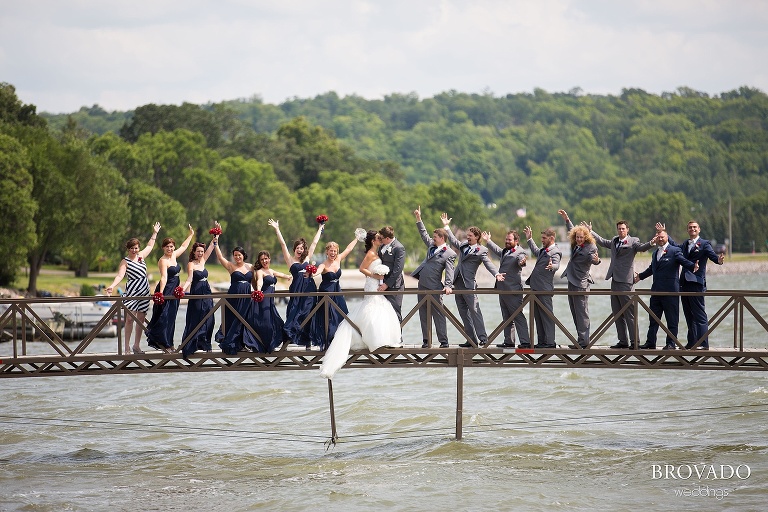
<point x="158" y="298"/>
<point x="311" y="269"/>
<point x="321" y="219"/>
<point x="178" y="292"/>
<point x="257" y="296"/>
<point x="215" y="231"/>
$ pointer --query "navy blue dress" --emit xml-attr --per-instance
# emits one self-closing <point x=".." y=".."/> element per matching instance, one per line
<point x="236" y="336"/>
<point x="266" y="320"/>
<point x="329" y="283"/>
<point x="299" y="307"/>
<point x="163" y="323"/>
<point x="196" y="310"/>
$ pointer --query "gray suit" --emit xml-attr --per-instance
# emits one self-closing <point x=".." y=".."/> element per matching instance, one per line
<point x="394" y="258"/>
<point x="510" y="265"/>
<point x="430" y="276"/>
<point x="542" y="279"/>
<point x="577" y="273"/>
<point x="469" y="305"/>
<point x="622" y="271"/>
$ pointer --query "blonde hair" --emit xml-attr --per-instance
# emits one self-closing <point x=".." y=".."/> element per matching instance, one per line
<point x="331" y="244"/>
<point x="588" y="238"/>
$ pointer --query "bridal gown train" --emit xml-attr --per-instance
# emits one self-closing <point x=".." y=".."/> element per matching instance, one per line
<point x="378" y="325"/>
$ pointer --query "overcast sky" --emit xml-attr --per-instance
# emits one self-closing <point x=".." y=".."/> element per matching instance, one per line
<point x="64" y="54"/>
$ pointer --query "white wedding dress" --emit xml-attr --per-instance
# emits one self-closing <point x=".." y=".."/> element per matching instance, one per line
<point x="378" y="325"/>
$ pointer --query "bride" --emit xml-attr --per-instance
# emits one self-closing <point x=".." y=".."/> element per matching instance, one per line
<point x="374" y="316"/>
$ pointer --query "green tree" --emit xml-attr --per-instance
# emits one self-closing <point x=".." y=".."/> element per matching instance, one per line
<point x="18" y="208"/>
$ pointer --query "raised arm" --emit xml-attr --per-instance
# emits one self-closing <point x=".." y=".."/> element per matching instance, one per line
<point x="209" y="249"/>
<point x="183" y="247"/>
<point x="347" y="250"/>
<point x="447" y="225"/>
<point x="222" y="260"/>
<point x="286" y="255"/>
<point x="151" y="243"/>
<point x="564" y="215"/>
<point x="312" y="246"/>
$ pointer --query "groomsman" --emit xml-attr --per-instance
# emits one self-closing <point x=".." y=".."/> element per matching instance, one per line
<point x="471" y="255"/>
<point x="665" y="261"/>
<point x="583" y="256"/>
<point x="698" y="250"/>
<point x="511" y="262"/>
<point x="542" y="278"/>
<point x="621" y="270"/>
<point x="440" y="258"/>
<point x="392" y="254"/>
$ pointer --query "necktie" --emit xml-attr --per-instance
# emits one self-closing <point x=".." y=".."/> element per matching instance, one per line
<point x="618" y="243"/>
<point x="466" y="250"/>
<point x="432" y="251"/>
<point x="659" y="252"/>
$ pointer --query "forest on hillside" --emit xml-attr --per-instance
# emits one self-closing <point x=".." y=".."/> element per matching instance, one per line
<point x="95" y="178"/>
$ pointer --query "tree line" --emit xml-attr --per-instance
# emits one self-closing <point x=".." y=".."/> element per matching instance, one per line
<point x="483" y="159"/>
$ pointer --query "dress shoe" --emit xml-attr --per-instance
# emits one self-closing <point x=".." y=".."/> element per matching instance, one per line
<point x="545" y="345"/>
<point x="577" y="346"/>
<point x="483" y="343"/>
<point x="425" y="345"/>
<point x="670" y="346"/>
<point x="466" y="345"/>
<point x="620" y="345"/>
<point x="524" y="345"/>
<point x="444" y="344"/>
<point x="700" y="347"/>
<point x="647" y="345"/>
<point x="506" y="345"/>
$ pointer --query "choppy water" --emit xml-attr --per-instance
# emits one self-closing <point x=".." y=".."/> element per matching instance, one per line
<point x="534" y="439"/>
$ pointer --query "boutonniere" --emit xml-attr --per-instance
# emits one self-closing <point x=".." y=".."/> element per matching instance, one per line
<point x="444" y="249"/>
<point x="581" y="246"/>
<point x="511" y="251"/>
<point x="698" y="245"/>
<point x="624" y="242"/>
<point x="140" y="259"/>
<point x="546" y="250"/>
<point x="477" y="249"/>
<point x="389" y="250"/>
<point x="663" y="252"/>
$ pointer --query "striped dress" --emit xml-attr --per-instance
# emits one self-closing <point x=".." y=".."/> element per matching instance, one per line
<point x="137" y="285"/>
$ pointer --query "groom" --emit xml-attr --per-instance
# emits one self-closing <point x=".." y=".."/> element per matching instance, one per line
<point x="392" y="254"/>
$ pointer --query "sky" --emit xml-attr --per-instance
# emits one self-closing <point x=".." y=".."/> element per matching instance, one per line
<point x="61" y="55"/>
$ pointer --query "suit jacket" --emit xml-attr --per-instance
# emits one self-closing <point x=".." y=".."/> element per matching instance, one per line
<point x="510" y="265"/>
<point x="665" y="270"/>
<point x="394" y="258"/>
<point x="701" y="252"/>
<point x="542" y="279"/>
<point x="622" y="266"/>
<point x="466" y="270"/>
<point x="577" y="270"/>
<point x="430" y="271"/>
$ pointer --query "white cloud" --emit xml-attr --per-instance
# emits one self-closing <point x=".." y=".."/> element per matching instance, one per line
<point x="63" y="55"/>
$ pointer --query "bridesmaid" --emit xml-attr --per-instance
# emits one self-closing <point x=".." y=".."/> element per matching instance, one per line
<point x="197" y="284"/>
<point x="235" y="335"/>
<point x="135" y="267"/>
<point x="298" y="307"/>
<point x="330" y="272"/>
<point x="163" y="324"/>
<point x="265" y="319"/>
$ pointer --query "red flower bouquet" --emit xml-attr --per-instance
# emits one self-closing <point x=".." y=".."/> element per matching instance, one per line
<point x="257" y="296"/>
<point x="178" y="292"/>
<point x="215" y="231"/>
<point x="158" y="298"/>
<point x="311" y="269"/>
<point x="321" y="219"/>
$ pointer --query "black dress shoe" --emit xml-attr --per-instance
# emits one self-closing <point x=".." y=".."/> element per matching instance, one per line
<point x="620" y="345"/>
<point x="483" y="343"/>
<point x="545" y="345"/>
<point x="425" y="345"/>
<point x="506" y="345"/>
<point x="466" y="345"/>
<point x="524" y="345"/>
<point x="444" y="345"/>
<point x="670" y="346"/>
<point x="577" y="346"/>
<point x="648" y="346"/>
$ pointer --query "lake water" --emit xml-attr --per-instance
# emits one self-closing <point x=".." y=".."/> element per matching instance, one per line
<point x="534" y="439"/>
